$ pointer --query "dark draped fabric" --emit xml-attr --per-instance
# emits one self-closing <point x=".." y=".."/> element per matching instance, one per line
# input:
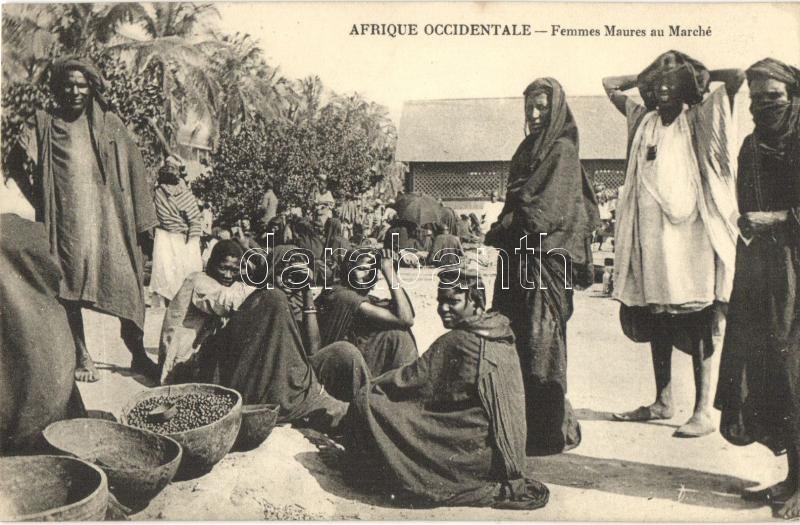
<point x="262" y="356"/>
<point x="340" y="320"/>
<point x="37" y="353"/>
<point x="450" y="218"/>
<point x="449" y="428"/>
<point x="548" y="192"/>
<point x="335" y="245"/>
<point x="758" y="390"/>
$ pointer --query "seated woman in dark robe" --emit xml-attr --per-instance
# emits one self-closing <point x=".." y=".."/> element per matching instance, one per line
<point x="449" y="428"/>
<point x="37" y="357"/>
<point x="379" y="328"/>
<point x="265" y="348"/>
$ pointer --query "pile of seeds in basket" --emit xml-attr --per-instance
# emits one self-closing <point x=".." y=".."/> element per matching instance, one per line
<point x="193" y="410"/>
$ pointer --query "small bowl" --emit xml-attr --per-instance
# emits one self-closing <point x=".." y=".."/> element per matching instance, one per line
<point x="51" y="488"/>
<point x="138" y="463"/>
<point x="257" y="424"/>
<point x="203" y="447"/>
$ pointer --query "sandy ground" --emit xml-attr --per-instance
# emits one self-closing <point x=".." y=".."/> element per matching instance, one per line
<point x="621" y="471"/>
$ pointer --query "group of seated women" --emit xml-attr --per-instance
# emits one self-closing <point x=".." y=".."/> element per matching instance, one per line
<point x="446" y="427"/>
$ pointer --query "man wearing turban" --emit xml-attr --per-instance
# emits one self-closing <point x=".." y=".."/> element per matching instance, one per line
<point x="91" y="191"/>
<point x="676" y="234"/>
<point x="759" y="380"/>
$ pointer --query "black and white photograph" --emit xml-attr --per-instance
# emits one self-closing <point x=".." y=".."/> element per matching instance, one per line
<point x="391" y="260"/>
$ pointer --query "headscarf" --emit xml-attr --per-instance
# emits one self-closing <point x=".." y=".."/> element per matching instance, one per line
<point x="222" y="250"/>
<point x="544" y="186"/>
<point x="777" y="70"/>
<point x="777" y="122"/>
<point x="59" y="70"/>
<point x="690" y="76"/>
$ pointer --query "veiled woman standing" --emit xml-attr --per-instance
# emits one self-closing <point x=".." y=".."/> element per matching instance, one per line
<point x="549" y="198"/>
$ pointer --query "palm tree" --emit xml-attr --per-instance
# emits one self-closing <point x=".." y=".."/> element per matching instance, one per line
<point x="175" y="42"/>
<point x="306" y="100"/>
<point x="247" y="85"/>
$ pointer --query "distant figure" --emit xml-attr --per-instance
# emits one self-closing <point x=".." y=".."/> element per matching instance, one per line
<point x="91" y="191"/>
<point x="446" y="249"/>
<point x="491" y="210"/>
<point x="675" y="239"/>
<point x="176" y="249"/>
<point x="269" y="204"/>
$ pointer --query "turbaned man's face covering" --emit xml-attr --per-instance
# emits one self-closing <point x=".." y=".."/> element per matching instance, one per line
<point x="775" y="104"/>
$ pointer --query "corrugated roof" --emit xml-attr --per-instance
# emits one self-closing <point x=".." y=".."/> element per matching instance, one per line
<point x="490" y="129"/>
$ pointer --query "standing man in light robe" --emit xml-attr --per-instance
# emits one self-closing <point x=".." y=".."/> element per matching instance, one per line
<point x="90" y="190"/>
<point x="676" y="230"/>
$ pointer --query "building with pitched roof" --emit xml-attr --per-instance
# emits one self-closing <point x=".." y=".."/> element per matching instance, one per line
<point x="459" y="150"/>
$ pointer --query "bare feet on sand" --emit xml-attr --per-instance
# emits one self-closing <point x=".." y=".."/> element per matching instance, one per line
<point x="646" y="413"/>
<point x="791" y="509"/>
<point x="85" y="371"/>
<point x="700" y="424"/>
<point x="779" y="492"/>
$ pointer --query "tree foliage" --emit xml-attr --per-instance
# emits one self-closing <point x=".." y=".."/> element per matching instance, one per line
<point x="176" y="65"/>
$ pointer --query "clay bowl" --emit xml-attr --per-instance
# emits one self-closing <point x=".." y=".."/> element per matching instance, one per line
<point x="51" y="488"/>
<point x="138" y="463"/>
<point x="203" y="446"/>
<point x="257" y="424"/>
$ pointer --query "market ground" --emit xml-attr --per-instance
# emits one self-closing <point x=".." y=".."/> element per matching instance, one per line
<point x="621" y="471"/>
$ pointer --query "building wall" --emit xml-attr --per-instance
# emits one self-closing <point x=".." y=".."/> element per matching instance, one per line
<point x="474" y="181"/>
<point x="458" y="181"/>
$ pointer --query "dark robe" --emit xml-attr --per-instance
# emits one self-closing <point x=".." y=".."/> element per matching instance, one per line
<point x="448" y="429"/>
<point x="37" y="353"/>
<point x="263" y="357"/>
<point x="335" y="245"/>
<point x="340" y="320"/>
<point x="102" y="266"/>
<point x="758" y="390"/>
<point x="445" y="246"/>
<point x="548" y="193"/>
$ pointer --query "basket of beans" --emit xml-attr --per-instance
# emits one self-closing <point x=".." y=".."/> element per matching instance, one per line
<point x="203" y="418"/>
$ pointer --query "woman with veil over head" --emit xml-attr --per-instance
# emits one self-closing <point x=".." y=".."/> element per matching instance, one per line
<point x="550" y="203"/>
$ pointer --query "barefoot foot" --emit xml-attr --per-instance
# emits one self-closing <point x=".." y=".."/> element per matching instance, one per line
<point x="646" y="413"/>
<point x="791" y="509"/>
<point x="86" y="372"/>
<point x="700" y="424"/>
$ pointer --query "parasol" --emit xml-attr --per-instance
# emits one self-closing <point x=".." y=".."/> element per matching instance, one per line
<point x="418" y="208"/>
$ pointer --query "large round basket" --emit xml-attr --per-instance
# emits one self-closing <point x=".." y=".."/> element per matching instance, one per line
<point x="51" y="488"/>
<point x="203" y="446"/>
<point x="138" y="463"/>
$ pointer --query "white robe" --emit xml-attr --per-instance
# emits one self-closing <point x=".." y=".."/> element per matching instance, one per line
<point x="676" y="215"/>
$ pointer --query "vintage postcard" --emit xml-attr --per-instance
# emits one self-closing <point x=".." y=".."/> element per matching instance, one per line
<point x="400" y="261"/>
